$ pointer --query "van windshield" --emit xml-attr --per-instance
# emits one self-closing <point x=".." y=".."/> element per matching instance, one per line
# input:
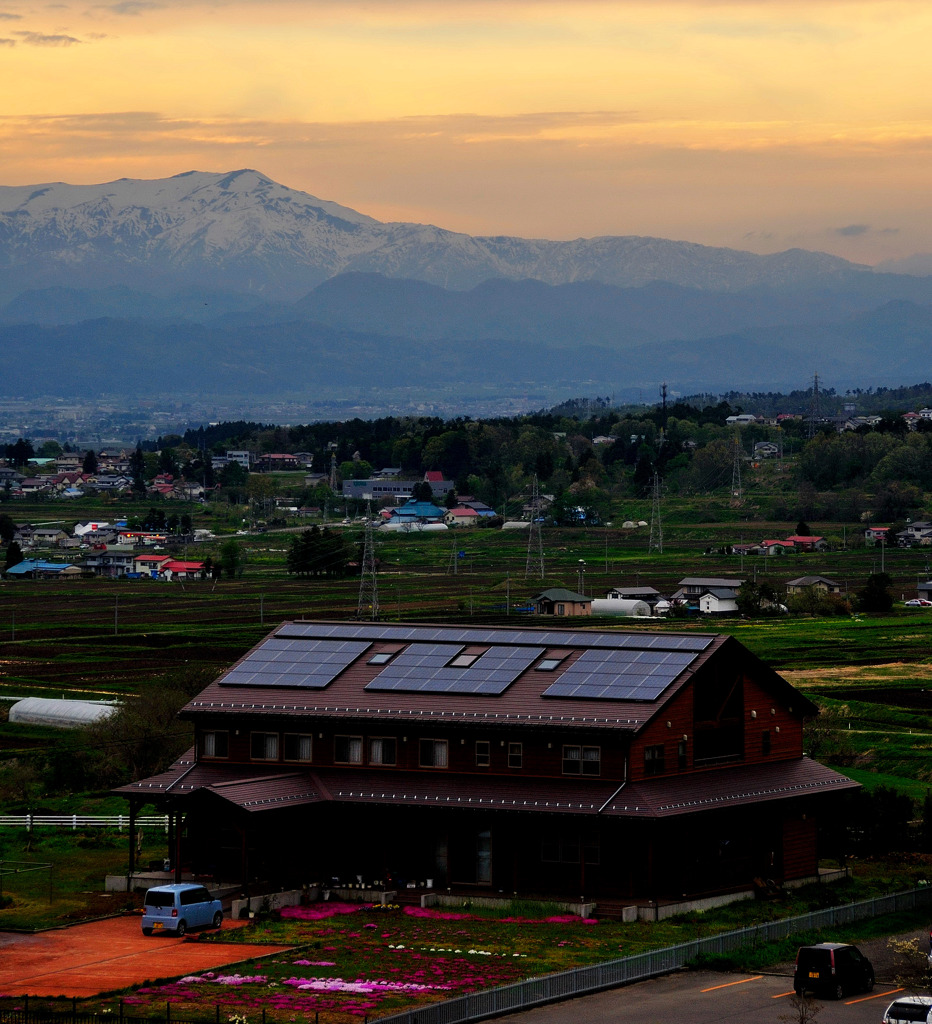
<point x="160" y="899"/>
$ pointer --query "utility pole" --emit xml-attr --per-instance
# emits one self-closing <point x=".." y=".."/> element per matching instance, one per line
<point x="736" y="469"/>
<point x="368" y="606"/>
<point x="655" y="543"/>
<point x="535" y="544"/>
<point x="815" y="410"/>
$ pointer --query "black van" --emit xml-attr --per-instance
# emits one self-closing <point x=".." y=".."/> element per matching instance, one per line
<point x="832" y="969"/>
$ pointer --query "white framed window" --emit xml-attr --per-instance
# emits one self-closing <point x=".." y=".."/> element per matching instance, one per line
<point x="580" y="760"/>
<point x="299" y="746"/>
<point x="383" y="750"/>
<point x="215" y="743"/>
<point x="483" y="753"/>
<point x="515" y="755"/>
<point x="347" y="749"/>
<point x="263" y="746"/>
<point x="433" y="754"/>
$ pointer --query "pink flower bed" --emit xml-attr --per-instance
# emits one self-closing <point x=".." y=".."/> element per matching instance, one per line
<point x="320" y="911"/>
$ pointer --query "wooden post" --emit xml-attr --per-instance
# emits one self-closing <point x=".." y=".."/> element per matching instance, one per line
<point x="177" y="852"/>
<point x="132" y="844"/>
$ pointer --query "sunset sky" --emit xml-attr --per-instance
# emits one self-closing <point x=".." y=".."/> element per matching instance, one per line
<point x="761" y="124"/>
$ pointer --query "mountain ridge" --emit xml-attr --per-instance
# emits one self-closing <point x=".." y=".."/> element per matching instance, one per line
<point x="244" y="230"/>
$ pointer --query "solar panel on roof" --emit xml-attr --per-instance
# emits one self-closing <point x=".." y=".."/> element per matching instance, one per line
<point x="425" y="668"/>
<point x="309" y="664"/>
<point x="620" y="674"/>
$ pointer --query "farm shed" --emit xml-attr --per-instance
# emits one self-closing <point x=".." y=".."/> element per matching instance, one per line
<point x="59" y="714"/>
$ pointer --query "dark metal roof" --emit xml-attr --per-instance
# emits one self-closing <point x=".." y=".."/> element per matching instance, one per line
<point x="740" y="785"/>
<point x="521" y="701"/>
<point x="252" y="790"/>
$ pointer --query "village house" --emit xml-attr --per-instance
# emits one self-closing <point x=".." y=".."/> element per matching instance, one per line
<point x="649" y="595"/>
<point x="461" y="517"/>
<point x="918" y="534"/>
<point x="35" y="568"/>
<point x="775" y="548"/>
<point x="111" y="560"/>
<point x="718" y="601"/>
<point x="562" y="763"/>
<point x="559" y="601"/>
<point x="822" y="583"/>
<point x="808" y="543"/>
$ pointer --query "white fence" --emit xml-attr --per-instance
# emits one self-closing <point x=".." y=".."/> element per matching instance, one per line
<point x="76" y="821"/>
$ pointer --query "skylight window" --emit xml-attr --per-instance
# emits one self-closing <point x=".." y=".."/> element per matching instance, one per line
<point x="464" y="660"/>
<point x="547" y="664"/>
<point x="382" y="659"/>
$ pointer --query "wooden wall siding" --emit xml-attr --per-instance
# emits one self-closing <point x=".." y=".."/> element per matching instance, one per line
<point x="788" y="742"/>
<point x="800" y="858"/>
<point x="679" y="713"/>
<point x="538" y="759"/>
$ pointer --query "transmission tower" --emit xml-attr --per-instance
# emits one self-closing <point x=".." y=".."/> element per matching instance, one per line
<point x="736" y="470"/>
<point x="535" y="543"/>
<point x="333" y="471"/>
<point x="453" y="568"/>
<point x="656" y="525"/>
<point x="815" y="410"/>
<point x="368" y="607"/>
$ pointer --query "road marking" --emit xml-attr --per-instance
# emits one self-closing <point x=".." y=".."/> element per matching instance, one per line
<point x="728" y="984"/>
<point x="876" y="995"/>
<point x="780" y="995"/>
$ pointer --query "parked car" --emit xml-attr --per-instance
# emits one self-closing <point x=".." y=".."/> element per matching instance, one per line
<point x="176" y="908"/>
<point x="909" y="1010"/>
<point x="918" y="602"/>
<point x="832" y="969"/>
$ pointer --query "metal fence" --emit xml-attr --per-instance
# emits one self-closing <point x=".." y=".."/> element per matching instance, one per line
<point x="39" y="1014"/>
<point x="523" y="995"/>
<point x="76" y="821"/>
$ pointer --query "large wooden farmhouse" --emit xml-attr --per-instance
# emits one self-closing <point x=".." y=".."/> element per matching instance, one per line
<point x="540" y="761"/>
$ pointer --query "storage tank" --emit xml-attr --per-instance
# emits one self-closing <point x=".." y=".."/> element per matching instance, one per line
<point x="60" y="714"/>
<point x="620" y="606"/>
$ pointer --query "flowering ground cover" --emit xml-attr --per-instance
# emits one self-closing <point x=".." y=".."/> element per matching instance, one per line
<point x="350" y="961"/>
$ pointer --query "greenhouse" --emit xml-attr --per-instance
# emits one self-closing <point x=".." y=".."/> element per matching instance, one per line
<point x="60" y="714"/>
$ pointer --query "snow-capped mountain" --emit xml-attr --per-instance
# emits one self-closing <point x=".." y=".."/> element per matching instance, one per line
<point x="243" y="232"/>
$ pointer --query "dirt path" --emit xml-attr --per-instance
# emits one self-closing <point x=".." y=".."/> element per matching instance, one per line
<point x="87" y="959"/>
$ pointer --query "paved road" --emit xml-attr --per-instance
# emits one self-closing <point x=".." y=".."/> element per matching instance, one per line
<point x="703" y="997"/>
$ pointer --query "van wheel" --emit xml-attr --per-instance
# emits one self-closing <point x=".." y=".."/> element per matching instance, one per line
<point x="147" y="931"/>
<point x="218" y="919"/>
<point x="869" y="987"/>
<point x="182" y="928"/>
<point x="799" y="990"/>
<point x="838" y="992"/>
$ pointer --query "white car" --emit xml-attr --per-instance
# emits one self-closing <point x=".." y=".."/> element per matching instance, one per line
<point x="909" y="1010"/>
<point x="918" y="602"/>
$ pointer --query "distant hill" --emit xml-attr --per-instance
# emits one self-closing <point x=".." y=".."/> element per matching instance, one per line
<point x="233" y="282"/>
